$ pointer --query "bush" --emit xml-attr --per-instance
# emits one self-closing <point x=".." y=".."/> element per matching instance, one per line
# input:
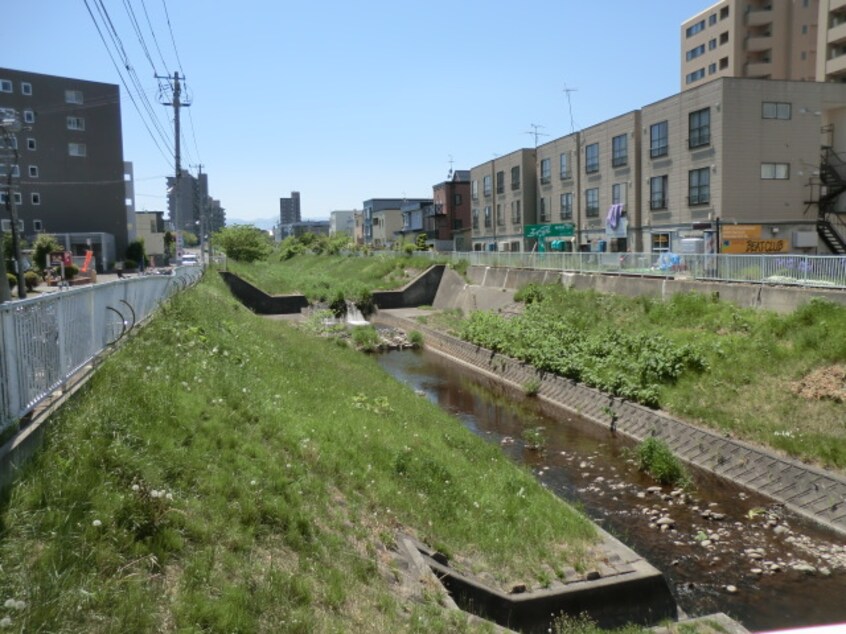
<point x="415" y="338"/>
<point x="656" y="458"/>
<point x="13" y="281"/>
<point x="128" y="265"/>
<point x="365" y="338"/>
<point x="531" y="387"/>
<point x="44" y="245"/>
<point x="31" y="280"/>
<point x="70" y="271"/>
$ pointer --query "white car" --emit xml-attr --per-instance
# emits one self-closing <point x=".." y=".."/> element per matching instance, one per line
<point x="190" y="259"/>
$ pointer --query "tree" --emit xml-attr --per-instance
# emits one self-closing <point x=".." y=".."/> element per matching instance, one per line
<point x="45" y="244"/>
<point x="245" y="243"/>
<point x="135" y="251"/>
<point x="190" y="239"/>
<point x="169" y="244"/>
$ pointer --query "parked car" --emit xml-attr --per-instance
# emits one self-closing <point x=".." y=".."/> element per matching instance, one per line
<point x="190" y="259"/>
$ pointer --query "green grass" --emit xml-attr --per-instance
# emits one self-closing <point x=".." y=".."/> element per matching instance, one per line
<point x="655" y="457"/>
<point x="221" y="472"/>
<point x="708" y="361"/>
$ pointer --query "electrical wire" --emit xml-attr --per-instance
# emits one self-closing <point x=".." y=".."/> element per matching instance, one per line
<point x="172" y="38"/>
<point x="153" y="32"/>
<point x="138" y="34"/>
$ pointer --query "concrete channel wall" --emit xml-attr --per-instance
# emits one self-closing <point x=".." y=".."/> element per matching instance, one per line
<point x="809" y="492"/>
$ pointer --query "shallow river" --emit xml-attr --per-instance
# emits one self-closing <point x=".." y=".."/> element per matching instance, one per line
<point x="727" y="550"/>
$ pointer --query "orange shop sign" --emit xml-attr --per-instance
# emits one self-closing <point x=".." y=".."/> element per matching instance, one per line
<point x="746" y="239"/>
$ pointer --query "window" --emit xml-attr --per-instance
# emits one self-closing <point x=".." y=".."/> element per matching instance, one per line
<point x="619" y="151"/>
<point x="76" y="149"/>
<point x="543" y="211"/>
<point x="775" y="171"/>
<point x="699" y="186"/>
<point x="724" y="38"/>
<point x="592" y="202"/>
<point x="8" y="142"/>
<point x="724" y="13"/>
<point x="693" y="29"/>
<point x="7" y="224"/>
<point x="591" y="158"/>
<point x="658" y="192"/>
<point x="73" y="96"/>
<point x="804" y="29"/>
<point x="76" y="123"/>
<point x="475" y="215"/>
<point x="515" y="212"/>
<point x="16" y="170"/>
<point x="31" y="144"/>
<point x="695" y="52"/>
<point x="617" y="195"/>
<point x="515" y="177"/>
<point x="487" y="216"/>
<point x="695" y="76"/>
<point x="486" y="186"/>
<point x="567" y="206"/>
<point x="546" y="171"/>
<point x="29" y="116"/>
<point x="500" y="182"/>
<point x="35" y="198"/>
<point x="5" y="85"/>
<point x="564" y="164"/>
<point x="658" y="133"/>
<point x="700" y="128"/>
<point x="775" y="110"/>
<point x="660" y="242"/>
<point x="37" y="226"/>
<point x="712" y="19"/>
<point x="712" y="68"/>
<point x="474" y="190"/>
<point x="712" y="44"/>
<point x="26" y="88"/>
<point x="456" y="199"/>
<point x="500" y="221"/>
<point x="724" y="63"/>
<point x="33" y="171"/>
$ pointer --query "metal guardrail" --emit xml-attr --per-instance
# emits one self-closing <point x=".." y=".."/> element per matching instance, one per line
<point x="799" y="270"/>
<point x="44" y="340"/>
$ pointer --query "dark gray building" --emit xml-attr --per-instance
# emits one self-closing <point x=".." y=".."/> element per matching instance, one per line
<point x="289" y="209"/>
<point x="70" y="173"/>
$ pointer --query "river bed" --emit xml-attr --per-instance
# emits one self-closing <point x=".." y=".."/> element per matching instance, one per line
<point x="721" y="548"/>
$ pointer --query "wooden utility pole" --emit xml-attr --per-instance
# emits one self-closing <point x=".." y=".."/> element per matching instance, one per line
<point x="177" y="103"/>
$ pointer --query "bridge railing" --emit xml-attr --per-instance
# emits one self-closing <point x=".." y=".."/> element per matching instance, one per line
<point x="801" y="270"/>
<point x="44" y="340"/>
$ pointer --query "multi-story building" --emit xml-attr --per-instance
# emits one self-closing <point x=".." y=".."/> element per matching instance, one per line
<point x="150" y="227"/>
<point x="831" y="41"/>
<point x="289" y="209"/>
<point x="412" y="219"/>
<point x="450" y="211"/>
<point x="764" y="39"/>
<point x="68" y="178"/>
<point x="387" y="210"/>
<point x="215" y="215"/>
<point x="342" y="222"/>
<point x="187" y="201"/>
<point x="503" y="199"/>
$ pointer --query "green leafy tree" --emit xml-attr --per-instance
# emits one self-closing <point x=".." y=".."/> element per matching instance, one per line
<point x="190" y="239"/>
<point x="136" y="252"/>
<point x="169" y="244"/>
<point x="421" y="242"/>
<point x="45" y="244"/>
<point x="245" y="243"/>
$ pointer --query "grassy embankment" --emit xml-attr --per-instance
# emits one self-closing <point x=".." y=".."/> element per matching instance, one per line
<point x="221" y="472"/>
<point x="737" y="370"/>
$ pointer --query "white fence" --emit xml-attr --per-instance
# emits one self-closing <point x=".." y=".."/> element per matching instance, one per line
<point x="46" y="339"/>
<point x="818" y="271"/>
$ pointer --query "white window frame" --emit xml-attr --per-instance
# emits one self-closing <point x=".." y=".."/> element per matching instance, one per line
<point x="76" y="123"/>
<point x="74" y="96"/>
<point x="28" y="116"/>
<point x="37" y="225"/>
<point x="35" y="198"/>
<point x="26" y="88"/>
<point x="775" y="171"/>
<point x="31" y="144"/>
<point x="16" y="170"/>
<point x="782" y="110"/>
<point x="77" y="149"/>
<point x="18" y="201"/>
<point x="33" y="171"/>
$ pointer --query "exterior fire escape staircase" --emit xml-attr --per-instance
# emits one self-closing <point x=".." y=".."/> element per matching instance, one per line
<point x="832" y="185"/>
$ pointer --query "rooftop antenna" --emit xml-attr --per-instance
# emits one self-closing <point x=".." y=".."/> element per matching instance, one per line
<point x="449" y="175"/>
<point x="567" y="91"/>
<point x="535" y="133"/>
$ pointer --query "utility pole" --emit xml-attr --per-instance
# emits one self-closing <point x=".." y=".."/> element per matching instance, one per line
<point x="177" y="103"/>
<point x="11" y="123"/>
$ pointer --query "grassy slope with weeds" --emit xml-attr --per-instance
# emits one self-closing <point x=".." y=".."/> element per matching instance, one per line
<point x="321" y="277"/>
<point x="746" y="362"/>
<point x="222" y="472"/>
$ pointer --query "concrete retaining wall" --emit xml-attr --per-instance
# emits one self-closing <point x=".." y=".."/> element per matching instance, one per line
<point x="815" y="494"/>
<point x="782" y="299"/>
<point x="260" y="302"/>
<point x="419" y="292"/>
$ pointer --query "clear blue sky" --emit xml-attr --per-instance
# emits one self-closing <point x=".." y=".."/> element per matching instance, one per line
<point x="345" y="101"/>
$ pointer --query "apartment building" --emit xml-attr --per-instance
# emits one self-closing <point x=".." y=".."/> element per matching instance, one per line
<point x="767" y="39"/>
<point x="382" y="218"/>
<point x="450" y="211"/>
<point x="503" y="199"/>
<point x="831" y="41"/>
<point x="342" y="222"/>
<point x="289" y="209"/>
<point x="68" y="178"/>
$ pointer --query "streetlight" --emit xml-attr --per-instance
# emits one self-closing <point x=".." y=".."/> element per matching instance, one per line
<point x="10" y="123"/>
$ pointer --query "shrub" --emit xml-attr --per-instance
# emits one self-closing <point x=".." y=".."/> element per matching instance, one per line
<point x="655" y="457"/>
<point x="534" y="438"/>
<point x="128" y="265"/>
<point x="13" y="281"/>
<point x="365" y="338"/>
<point x="31" y="279"/>
<point x="415" y="338"/>
<point x="531" y="387"/>
<point x="70" y="271"/>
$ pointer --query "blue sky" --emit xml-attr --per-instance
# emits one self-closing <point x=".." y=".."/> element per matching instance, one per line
<point x="345" y="101"/>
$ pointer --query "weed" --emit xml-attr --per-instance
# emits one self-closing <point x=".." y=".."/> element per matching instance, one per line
<point x="534" y="438"/>
<point x="655" y="457"/>
<point x="415" y="338"/>
<point x="365" y="338"/>
<point x="531" y="387"/>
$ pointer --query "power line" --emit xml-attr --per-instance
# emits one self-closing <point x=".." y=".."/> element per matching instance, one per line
<point x="153" y="33"/>
<point x="138" y="34"/>
<point x="172" y="39"/>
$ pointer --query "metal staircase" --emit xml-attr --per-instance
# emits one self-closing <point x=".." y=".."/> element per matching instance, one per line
<point x="832" y="185"/>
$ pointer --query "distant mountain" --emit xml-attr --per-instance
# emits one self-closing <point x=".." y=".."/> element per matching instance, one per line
<point x="261" y="223"/>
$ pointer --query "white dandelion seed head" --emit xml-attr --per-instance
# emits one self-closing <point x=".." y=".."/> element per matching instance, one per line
<point x="96" y="523"/>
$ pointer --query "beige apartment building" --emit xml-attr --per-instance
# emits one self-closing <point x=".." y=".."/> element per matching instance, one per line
<point x="503" y="198"/>
<point x="740" y="154"/>
<point x="765" y="39"/>
<point x="831" y="41"/>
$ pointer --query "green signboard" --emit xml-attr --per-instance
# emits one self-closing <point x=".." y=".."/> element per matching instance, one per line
<point x="562" y="230"/>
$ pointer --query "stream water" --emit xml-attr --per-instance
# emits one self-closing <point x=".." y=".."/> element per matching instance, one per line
<point x="725" y="550"/>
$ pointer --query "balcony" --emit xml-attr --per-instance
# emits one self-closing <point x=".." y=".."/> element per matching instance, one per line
<point x="759" y="17"/>
<point x="835" y="66"/>
<point x="759" y="43"/>
<point x="761" y="70"/>
<point x="834" y="5"/>
<point x="837" y="34"/>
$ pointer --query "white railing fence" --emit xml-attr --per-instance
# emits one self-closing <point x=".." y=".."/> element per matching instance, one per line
<point x="44" y="340"/>
<point x="802" y="270"/>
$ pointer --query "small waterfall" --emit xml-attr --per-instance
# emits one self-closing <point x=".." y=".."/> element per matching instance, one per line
<point x="354" y="316"/>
